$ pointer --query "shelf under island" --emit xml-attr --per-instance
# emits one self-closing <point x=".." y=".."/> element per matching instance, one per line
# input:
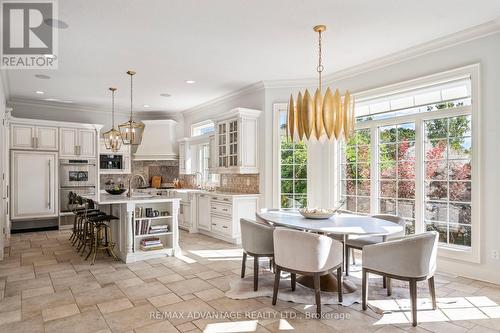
<point x="147" y="227"/>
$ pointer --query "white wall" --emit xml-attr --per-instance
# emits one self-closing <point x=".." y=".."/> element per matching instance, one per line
<point x="485" y="51"/>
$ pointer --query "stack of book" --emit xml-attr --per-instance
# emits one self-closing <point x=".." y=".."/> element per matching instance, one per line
<point x="156" y="229"/>
<point x="151" y="244"/>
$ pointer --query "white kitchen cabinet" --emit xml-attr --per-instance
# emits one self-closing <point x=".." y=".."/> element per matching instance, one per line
<point x="203" y="212"/>
<point x="236" y="141"/>
<point x="34" y="192"/>
<point x="25" y="136"/>
<point x="185" y="215"/>
<point x="225" y="214"/>
<point x="86" y="143"/>
<point x="77" y="143"/>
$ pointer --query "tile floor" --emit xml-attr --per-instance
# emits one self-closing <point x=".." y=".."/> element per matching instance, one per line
<point x="46" y="287"/>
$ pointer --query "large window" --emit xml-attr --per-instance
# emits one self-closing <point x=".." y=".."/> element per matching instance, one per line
<point x="448" y="178"/>
<point x="411" y="155"/>
<point x="293" y="169"/>
<point x="396" y="165"/>
<point x="355" y="172"/>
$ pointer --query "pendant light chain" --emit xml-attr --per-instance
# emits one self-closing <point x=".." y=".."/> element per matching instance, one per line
<point x="113" y="109"/>
<point x="320" y="66"/>
<point x="131" y="96"/>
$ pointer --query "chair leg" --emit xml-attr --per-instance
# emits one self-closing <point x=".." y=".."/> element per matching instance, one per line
<point x="96" y="232"/>
<point x="294" y="281"/>
<point x="389" y="286"/>
<point x="339" y="284"/>
<point x="243" y="264"/>
<point x="277" y="275"/>
<point x="432" y="290"/>
<point x="347" y="260"/>
<point x="255" y="273"/>
<point x="317" y="292"/>
<point x="364" y="288"/>
<point x="413" y="298"/>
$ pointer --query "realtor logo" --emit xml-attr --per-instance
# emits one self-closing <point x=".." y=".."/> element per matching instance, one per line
<point x="28" y="39"/>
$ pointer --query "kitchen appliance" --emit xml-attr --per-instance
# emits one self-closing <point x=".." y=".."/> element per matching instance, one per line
<point x="77" y="173"/>
<point x="111" y="162"/>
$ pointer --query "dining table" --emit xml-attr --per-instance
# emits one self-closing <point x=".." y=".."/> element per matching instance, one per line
<point x="340" y="226"/>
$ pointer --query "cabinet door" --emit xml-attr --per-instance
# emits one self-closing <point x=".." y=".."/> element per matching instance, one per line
<point x="222" y="145"/>
<point x="68" y="138"/>
<point x="22" y="136"/>
<point x="233" y="143"/>
<point x="86" y="143"/>
<point x="204" y="212"/>
<point x="46" y="138"/>
<point x="34" y="192"/>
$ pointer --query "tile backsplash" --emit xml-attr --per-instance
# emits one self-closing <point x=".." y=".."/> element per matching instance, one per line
<point x="168" y="170"/>
<point x="235" y="183"/>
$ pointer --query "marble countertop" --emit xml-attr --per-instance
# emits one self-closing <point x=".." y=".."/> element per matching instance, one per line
<point x="106" y="199"/>
<point x="220" y="193"/>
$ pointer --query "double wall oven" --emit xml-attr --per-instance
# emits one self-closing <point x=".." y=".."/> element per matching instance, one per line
<point x="77" y="176"/>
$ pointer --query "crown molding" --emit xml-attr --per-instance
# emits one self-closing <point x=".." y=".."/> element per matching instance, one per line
<point x="81" y="108"/>
<point x="240" y="92"/>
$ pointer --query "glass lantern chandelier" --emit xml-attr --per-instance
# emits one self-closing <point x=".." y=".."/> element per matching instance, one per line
<point x="112" y="138"/>
<point x="317" y="117"/>
<point x="131" y="131"/>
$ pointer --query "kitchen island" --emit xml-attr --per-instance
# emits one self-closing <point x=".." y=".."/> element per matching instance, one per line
<point x="143" y="218"/>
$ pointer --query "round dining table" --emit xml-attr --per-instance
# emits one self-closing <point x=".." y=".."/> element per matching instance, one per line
<point x="340" y="226"/>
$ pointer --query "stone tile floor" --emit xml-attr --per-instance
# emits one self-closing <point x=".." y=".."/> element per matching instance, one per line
<point x="46" y="287"/>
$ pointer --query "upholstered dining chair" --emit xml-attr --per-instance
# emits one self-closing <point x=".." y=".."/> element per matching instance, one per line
<point x="357" y="243"/>
<point x="411" y="258"/>
<point x="310" y="254"/>
<point x="257" y="241"/>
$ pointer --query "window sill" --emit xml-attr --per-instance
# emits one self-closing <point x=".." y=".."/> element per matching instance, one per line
<point x="459" y="253"/>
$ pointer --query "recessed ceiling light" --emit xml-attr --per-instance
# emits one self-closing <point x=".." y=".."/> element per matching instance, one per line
<point x="190" y="81"/>
<point x="66" y="102"/>
<point x="51" y="99"/>
<point x="165" y="95"/>
<point x="146" y="105"/>
<point x="39" y="92"/>
<point x="56" y="23"/>
<point x="42" y="76"/>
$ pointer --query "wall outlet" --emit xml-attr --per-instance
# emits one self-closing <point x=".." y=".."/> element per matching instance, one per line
<point x="495" y="254"/>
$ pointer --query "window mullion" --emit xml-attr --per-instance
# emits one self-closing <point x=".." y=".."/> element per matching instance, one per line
<point x="419" y="176"/>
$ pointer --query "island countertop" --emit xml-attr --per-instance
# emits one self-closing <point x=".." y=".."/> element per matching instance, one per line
<point x="108" y="199"/>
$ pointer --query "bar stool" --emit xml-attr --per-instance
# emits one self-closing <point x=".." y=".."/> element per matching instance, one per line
<point x="99" y="230"/>
<point x="84" y="236"/>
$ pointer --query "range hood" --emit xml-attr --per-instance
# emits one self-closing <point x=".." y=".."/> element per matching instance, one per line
<point x="158" y="141"/>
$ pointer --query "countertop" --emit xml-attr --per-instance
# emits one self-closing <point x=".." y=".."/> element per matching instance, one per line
<point x="106" y="199"/>
<point x="216" y="193"/>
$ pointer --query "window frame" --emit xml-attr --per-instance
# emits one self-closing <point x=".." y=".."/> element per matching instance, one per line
<point x="472" y="254"/>
<point x="202" y="124"/>
<point x="277" y="108"/>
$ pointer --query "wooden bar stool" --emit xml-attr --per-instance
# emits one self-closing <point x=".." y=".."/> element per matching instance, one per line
<point x="102" y="236"/>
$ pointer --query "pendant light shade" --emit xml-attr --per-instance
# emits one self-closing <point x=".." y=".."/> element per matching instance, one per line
<point x="317" y="117"/>
<point x="112" y="138"/>
<point x="131" y="131"/>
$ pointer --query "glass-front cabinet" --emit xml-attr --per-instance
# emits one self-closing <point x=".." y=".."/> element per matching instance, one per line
<point x="237" y="141"/>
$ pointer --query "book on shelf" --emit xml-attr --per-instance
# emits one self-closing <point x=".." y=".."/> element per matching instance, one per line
<point x="151" y="243"/>
<point x="151" y="248"/>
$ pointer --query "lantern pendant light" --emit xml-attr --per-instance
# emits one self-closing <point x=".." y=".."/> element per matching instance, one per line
<point x="112" y="138"/>
<point x="131" y="131"/>
<point x="318" y="117"/>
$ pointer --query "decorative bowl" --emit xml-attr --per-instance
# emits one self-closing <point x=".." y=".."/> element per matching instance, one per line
<point x="116" y="192"/>
<point x="317" y="213"/>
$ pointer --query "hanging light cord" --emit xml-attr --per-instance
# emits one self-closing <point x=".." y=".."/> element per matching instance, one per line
<point x="131" y="97"/>
<point x="320" y="66"/>
<point x="113" y="109"/>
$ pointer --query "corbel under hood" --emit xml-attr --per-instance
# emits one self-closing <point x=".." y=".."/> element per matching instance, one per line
<point x="158" y="141"/>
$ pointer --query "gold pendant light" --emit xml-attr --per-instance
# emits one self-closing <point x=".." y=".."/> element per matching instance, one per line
<point x="112" y="138"/>
<point x="320" y="117"/>
<point x="131" y="131"/>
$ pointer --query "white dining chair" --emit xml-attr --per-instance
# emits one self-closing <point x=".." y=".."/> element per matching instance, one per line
<point x="411" y="258"/>
<point x="358" y="242"/>
<point x="309" y="254"/>
<point x="257" y="241"/>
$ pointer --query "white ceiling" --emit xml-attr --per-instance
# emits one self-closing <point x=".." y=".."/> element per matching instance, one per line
<point x="226" y="44"/>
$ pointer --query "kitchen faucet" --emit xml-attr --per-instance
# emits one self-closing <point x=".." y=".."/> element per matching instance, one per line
<point x="196" y="174"/>
<point x="129" y="193"/>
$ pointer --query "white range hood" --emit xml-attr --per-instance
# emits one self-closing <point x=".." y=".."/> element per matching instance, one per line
<point x="158" y="141"/>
